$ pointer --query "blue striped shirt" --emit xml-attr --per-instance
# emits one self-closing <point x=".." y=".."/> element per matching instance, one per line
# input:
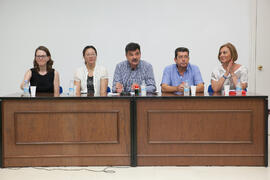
<point x="126" y="76"/>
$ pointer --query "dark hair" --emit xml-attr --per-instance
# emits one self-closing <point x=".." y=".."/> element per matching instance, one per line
<point x="132" y="47"/>
<point x="49" y="63"/>
<point x="181" y="49"/>
<point x="89" y="47"/>
<point x="232" y="49"/>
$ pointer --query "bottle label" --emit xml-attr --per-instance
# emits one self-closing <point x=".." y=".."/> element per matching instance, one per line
<point x="238" y="88"/>
<point x="71" y="91"/>
<point x="143" y="90"/>
<point x="25" y="90"/>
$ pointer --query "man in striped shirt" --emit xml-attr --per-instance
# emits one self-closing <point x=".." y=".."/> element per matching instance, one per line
<point x="133" y="71"/>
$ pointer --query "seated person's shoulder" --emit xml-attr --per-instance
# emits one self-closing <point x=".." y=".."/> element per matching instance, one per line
<point x="217" y="70"/>
<point x="145" y="63"/>
<point x="122" y="63"/>
<point x="79" y="72"/>
<point x="102" y="68"/>
<point x="244" y="68"/>
<point x="55" y="72"/>
<point x="194" y="66"/>
<point x="170" y="67"/>
<point x="121" y="66"/>
<point x="34" y="70"/>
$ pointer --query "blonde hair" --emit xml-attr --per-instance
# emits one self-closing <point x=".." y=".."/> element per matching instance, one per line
<point x="232" y="49"/>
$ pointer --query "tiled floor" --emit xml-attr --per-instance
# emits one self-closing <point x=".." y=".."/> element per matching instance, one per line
<point x="129" y="173"/>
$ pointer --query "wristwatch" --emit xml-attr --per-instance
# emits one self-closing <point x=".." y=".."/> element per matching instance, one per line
<point x="225" y="77"/>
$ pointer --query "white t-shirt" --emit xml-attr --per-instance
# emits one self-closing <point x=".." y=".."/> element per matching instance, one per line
<point x="82" y="75"/>
<point x="241" y="73"/>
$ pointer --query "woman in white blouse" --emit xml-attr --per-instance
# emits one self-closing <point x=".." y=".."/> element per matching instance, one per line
<point x="229" y="72"/>
<point x="91" y="78"/>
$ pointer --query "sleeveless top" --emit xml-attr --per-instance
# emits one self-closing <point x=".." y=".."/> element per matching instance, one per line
<point x="44" y="83"/>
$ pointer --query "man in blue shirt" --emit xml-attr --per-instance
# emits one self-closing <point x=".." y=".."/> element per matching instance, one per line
<point x="175" y="75"/>
<point x="133" y="71"/>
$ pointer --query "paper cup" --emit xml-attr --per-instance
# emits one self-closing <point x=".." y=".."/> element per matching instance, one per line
<point x="226" y="90"/>
<point x="33" y="91"/>
<point x="193" y="90"/>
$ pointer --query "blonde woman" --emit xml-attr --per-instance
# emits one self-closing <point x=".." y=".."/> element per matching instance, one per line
<point x="229" y="72"/>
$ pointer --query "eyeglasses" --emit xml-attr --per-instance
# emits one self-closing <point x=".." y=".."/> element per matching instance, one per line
<point x="183" y="57"/>
<point x="41" y="57"/>
<point x="90" y="55"/>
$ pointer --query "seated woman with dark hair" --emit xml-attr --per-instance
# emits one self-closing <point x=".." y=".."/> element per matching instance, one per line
<point x="91" y="78"/>
<point x="43" y="76"/>
<point x="229" y="73"/>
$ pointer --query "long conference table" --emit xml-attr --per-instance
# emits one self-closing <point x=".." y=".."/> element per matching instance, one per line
<point x="154" y="130"/>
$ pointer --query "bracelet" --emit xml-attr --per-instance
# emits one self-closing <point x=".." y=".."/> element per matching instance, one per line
<point x="225" y="77"/>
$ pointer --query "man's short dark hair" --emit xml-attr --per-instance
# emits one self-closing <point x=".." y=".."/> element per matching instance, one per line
<point x="132" y="47"/>
<point x="181" y="49"/>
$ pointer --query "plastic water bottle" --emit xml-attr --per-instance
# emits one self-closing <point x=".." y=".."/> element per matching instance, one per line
<point x="75" y="89"/>
<point x="238" y="88"/>
<point x="143" y="89"/>
<point x="26" y="88"/>
<point x="186" y="88"/>
<point x="71" y="88"/>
